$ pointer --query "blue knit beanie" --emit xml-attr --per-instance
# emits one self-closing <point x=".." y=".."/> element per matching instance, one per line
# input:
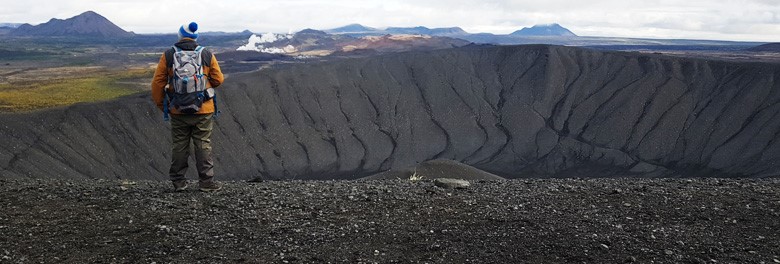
<point x="189" y="31"/>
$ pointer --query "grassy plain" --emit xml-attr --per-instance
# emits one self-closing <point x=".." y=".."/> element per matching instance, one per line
<point x="43" y="72"/>
<point x="32" y="89"/>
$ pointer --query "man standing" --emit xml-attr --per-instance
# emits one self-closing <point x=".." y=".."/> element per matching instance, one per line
<point x="190" y="74"/>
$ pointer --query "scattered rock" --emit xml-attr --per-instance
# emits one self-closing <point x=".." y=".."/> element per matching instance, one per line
<point x="451" y="183"/>
<point x="315" y="222"/>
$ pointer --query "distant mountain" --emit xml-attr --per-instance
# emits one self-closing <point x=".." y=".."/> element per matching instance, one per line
<point x="544" y="30"/>
<point x="770" y="47"/>
<point x="408" y="30"/>
<point x="87" y="24"/>
<point x="357" y="30"/>
<point x="452" y="31"/>
<point x="553" y="34"/>
<point x="351" y="28"/>
<point x="310" y="33"/>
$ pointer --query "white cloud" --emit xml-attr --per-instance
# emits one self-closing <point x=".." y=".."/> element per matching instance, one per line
<point x="709" y="19"/>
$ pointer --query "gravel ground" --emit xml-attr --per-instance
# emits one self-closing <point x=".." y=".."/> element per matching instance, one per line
<point x="515" y="221"/>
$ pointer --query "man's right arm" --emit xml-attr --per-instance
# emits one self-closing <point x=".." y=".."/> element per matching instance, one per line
<point x="159" y="82"/>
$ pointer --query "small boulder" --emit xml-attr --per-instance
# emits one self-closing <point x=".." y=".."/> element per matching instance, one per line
<point x="451" y="183"/>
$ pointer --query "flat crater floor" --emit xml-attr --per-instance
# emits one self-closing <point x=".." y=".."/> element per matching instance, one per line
<point x="513" y="221"/>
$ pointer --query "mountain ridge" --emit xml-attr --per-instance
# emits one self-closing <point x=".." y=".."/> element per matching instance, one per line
<point x="536" y="30"/>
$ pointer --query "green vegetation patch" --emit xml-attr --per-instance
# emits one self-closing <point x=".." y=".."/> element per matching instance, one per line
<point x="17" y="97"/>
<point x="13" y="55"/>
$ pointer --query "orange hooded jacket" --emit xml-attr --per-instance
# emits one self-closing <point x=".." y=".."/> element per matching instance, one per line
<point x="165" y="70"/>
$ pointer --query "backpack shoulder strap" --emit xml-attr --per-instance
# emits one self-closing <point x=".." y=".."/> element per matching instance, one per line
<point x="199" y="59"/>
<point x="169" y="57"/>
<point x="198" y="52"/>
<point x="206" y="56"/>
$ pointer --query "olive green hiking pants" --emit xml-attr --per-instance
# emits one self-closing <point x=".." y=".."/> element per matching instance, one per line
<point x="195" y="129"/>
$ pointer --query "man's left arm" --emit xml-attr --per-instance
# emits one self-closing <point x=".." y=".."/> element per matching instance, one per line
<point x="215" y="73"/>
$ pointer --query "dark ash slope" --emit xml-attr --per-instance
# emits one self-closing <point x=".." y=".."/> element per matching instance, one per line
<point x="513" y="110"/>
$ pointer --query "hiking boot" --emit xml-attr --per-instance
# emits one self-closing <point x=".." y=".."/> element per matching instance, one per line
<point x="210" y="186"/>
<point x="179" y="185"/>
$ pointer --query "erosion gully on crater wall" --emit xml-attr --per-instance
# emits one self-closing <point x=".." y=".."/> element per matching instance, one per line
<point x="516" y="111"/>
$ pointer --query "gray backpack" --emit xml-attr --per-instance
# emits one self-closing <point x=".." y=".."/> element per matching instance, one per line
<point x="187" y="90"/>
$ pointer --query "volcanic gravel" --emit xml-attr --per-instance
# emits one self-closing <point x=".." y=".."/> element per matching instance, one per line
<point x="393" y="221"/>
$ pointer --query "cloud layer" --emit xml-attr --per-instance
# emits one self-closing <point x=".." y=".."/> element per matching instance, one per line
<point x="757" y="20"/>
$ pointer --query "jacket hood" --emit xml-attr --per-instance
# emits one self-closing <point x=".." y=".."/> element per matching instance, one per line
<point x="186" y="44"/>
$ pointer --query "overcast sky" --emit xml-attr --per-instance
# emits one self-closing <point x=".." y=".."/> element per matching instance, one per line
<point x="744" y="20"/>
